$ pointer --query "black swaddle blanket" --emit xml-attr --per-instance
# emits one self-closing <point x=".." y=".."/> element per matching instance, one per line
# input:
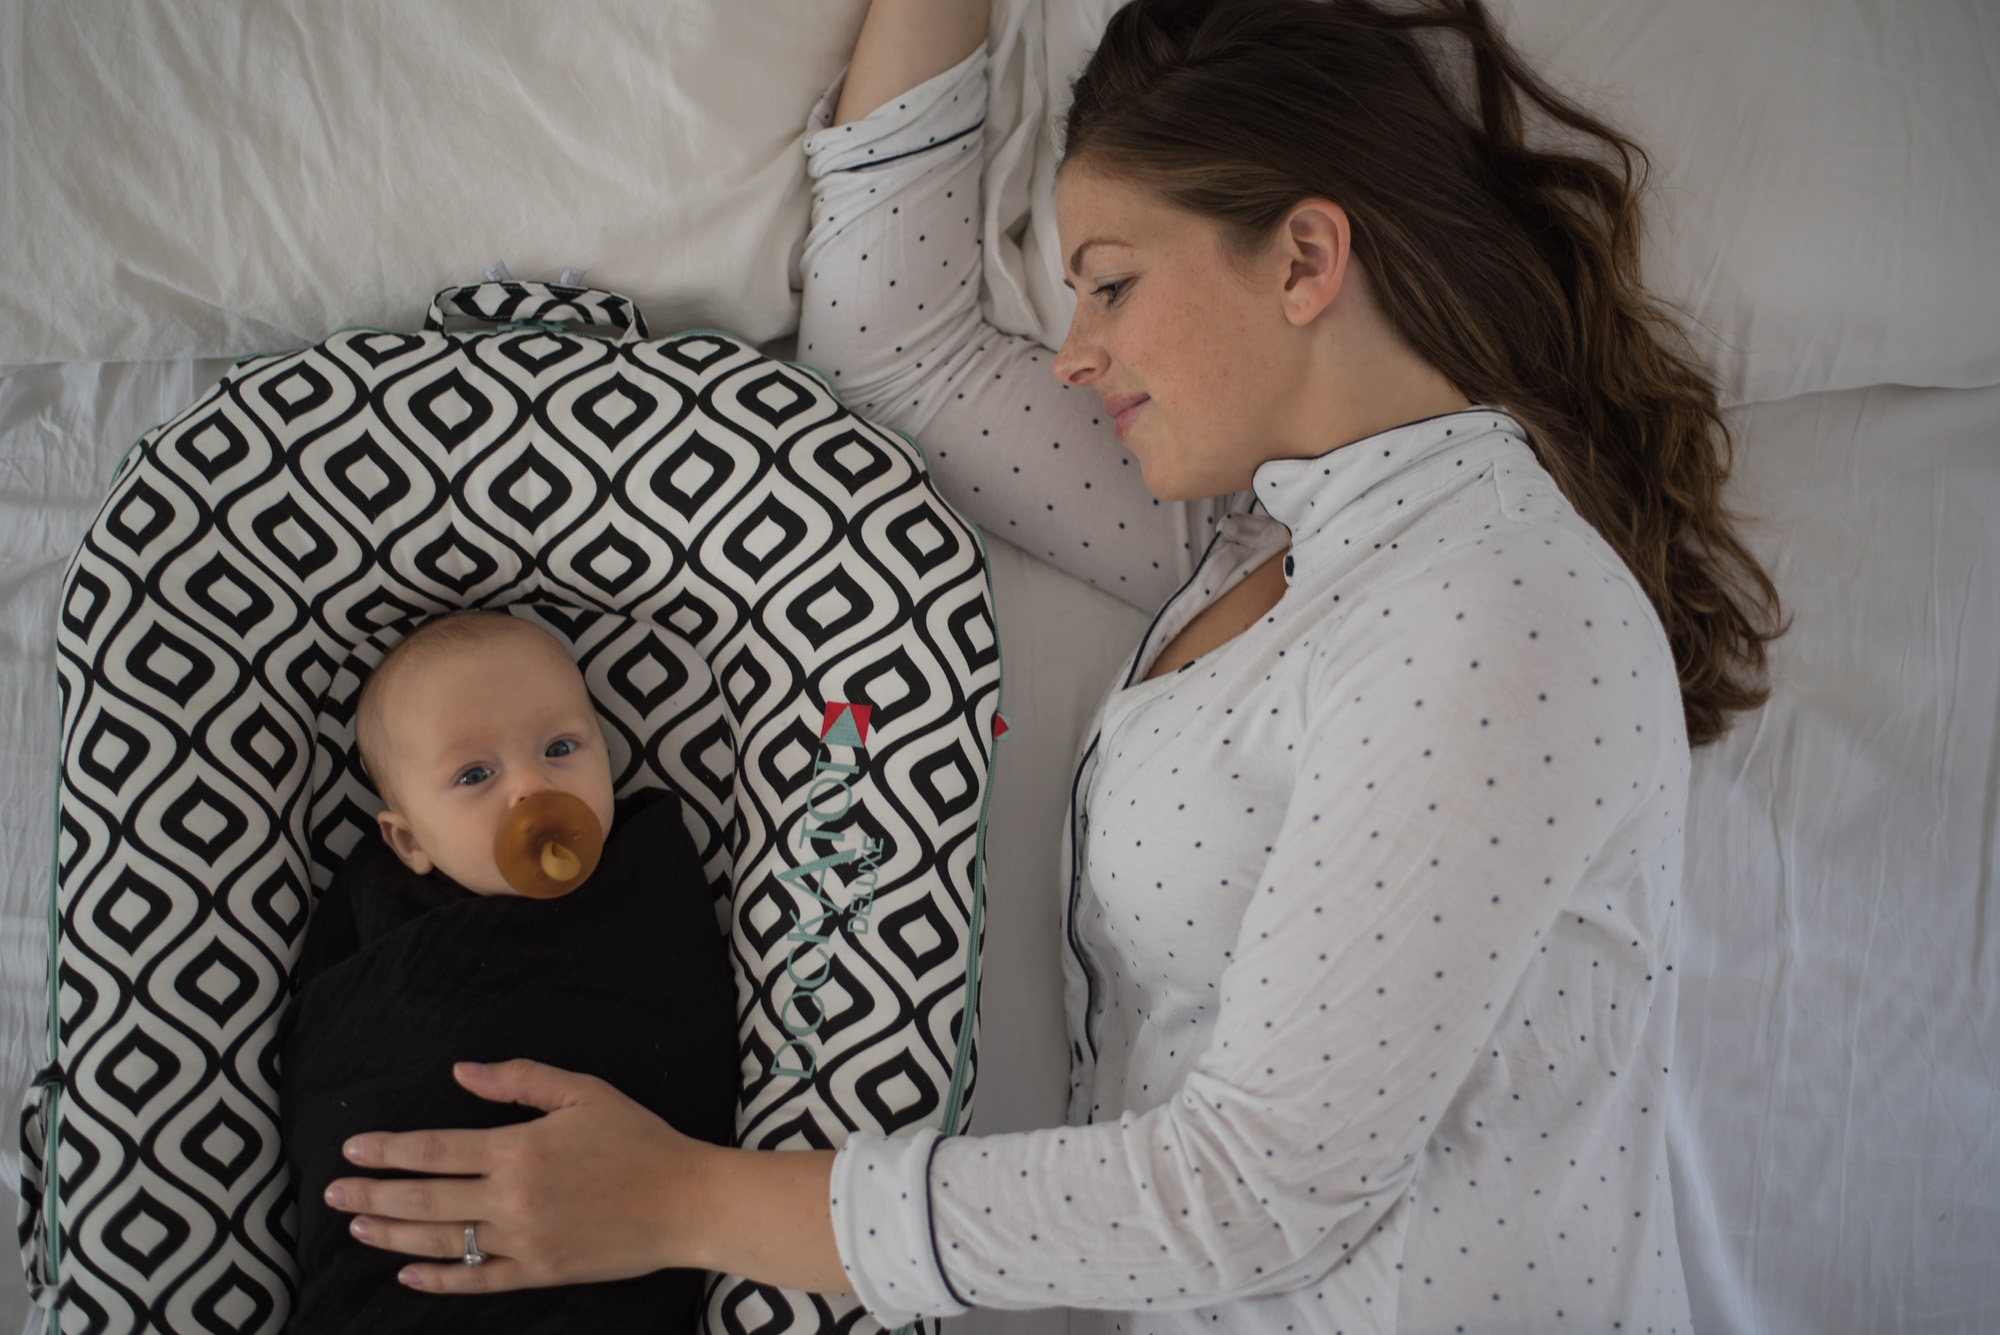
<point x="627" y="978"/>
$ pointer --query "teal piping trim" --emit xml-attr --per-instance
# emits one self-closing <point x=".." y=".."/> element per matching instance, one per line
<point x="52" y="1122"/>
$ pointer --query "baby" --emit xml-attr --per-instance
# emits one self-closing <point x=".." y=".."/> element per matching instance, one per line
<point x="419" y="955"/>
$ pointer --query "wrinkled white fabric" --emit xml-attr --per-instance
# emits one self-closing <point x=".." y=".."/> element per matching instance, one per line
<point x="1371" y="909"/>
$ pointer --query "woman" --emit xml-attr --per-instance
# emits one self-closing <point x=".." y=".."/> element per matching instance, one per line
<point x="1375" y="849"/>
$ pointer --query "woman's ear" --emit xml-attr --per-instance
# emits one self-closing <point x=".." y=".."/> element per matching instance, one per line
<point x="402" y="841"/>
<point x="1314" y="240"/>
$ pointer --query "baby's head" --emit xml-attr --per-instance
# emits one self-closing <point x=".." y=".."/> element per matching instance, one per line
<point x="469" y="714"/>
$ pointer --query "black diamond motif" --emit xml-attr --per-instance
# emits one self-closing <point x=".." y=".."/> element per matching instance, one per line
<point x="890" y="705"/>
<point x="526" y="514"/>
<point x="920" y="935"/>
<point x="776" y="1316"/>
<point x="235" y="1292"/>
<point x="296" y="393"/>
<point x="216" y="983"/>
<point x="692" y="474"/>
<point x="367" y="476"/>
<point x="614" y="410"/>
<point x="801" y="1129"/>
<point x="786" y="761"/>
<point x="773" y="545"/>
<point x="141" y="517"/>
<point x="380" y="347"/>
<point x="516" y="351"/>
<point x="694" y="759"/>
<point x="76" y="840"/>
<point x="569" y="623"/>
<point x="647" y="675"/>
<point x="781" y="912"/>
<point x="169" y="664"/>
<point x="261" y="744"/>
<point x="293" y="538"/>
<point x="432" y="556"/>
<point x="852" y="459"/>
<point x="614" y="561"/>
<point x="690" y="616"/>
<point x="130" y="910"/>
<point x="921" y="1095"/>
<point x="111" y="751"/>
<point x="200" y="797"/>
<point x="927" y="775"/>
<point x="380" y="610"/>
<point x="451" y="392"/>
<point x="924" y="542"/>
<point x="311" y="672"/>
<point x="837" y="598"/>
<point x="226" y="595"/>
<point x="162" y="1235"/>
<point x="208" y="1146"/>
<point x="337" y="835"/>
<point x="136" y="1070"/>
<point x="775" y="397"/>
<point x="87" y="598"/>
<point x="77" y="1001"/>
<point x="281" y="902"/>
<point x="213" y="446"/>
<point x="971" y="628"/>
<point x="697" y="353"/>
<point x="744" y="682"/>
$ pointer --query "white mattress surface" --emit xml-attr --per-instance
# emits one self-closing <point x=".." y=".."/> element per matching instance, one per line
<point x="1836" y="1118"/>
<point x="210" y="178"/>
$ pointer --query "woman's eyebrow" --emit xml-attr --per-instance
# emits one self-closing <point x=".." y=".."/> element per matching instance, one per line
<point x="1076" y="256"/>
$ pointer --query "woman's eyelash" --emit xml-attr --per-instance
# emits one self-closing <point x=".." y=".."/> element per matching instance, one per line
<point x="1111" y="290"/>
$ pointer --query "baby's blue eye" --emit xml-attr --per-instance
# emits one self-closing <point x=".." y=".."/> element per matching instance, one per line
<point x="474" y="776"/>
<point x="559" y="749"/>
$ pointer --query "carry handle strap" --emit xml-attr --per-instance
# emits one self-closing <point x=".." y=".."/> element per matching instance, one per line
<point x="512" y="302"/>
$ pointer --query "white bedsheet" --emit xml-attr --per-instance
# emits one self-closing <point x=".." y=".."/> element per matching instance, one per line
<point x="1836" y="1118"/>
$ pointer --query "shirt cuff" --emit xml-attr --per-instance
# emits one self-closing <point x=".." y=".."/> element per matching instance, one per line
<point x="881" y="1204"/>
<point x="941" y="109"/>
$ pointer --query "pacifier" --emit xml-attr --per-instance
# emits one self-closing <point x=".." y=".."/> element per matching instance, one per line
<point x="549" y="844"/>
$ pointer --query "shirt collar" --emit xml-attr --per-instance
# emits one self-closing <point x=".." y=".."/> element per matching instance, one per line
<point x="1330" y="496"/>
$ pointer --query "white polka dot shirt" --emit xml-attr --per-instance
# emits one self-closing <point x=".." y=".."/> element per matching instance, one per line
<point x="1368" y="914"/>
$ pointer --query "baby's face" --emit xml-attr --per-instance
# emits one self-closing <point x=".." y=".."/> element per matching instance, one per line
<point x="472" y="730"/>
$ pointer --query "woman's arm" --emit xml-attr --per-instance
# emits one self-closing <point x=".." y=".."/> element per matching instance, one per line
<point x="891" y="317"/>
<point x="599" y="1188"/>
<point x="903" y="43"/>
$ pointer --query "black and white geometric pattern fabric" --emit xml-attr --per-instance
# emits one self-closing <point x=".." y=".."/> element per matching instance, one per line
<point x="773" y="607"/>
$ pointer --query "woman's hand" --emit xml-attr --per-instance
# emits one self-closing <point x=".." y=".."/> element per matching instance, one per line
<point x="597" y="1189"/>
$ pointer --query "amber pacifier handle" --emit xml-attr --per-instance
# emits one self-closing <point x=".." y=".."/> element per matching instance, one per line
<point x="549" y="844"/>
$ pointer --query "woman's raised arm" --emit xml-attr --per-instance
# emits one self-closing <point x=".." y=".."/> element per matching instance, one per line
<point x="891" y="317"/>
<point x="902" y="44"/>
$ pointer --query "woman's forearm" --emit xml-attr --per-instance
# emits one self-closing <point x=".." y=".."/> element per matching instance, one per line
<point x="763" y="1214"/>
<point x="903" y="43"/>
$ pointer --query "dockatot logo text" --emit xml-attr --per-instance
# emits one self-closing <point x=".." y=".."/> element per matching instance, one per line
<point x="832" y="884"/>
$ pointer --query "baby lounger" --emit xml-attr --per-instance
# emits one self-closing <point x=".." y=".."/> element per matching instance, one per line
<point x="775" y="612"/>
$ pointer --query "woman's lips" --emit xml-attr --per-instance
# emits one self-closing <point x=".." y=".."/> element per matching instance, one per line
<point x="1124" y="410"/>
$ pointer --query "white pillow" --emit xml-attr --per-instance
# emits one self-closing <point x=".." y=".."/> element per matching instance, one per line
<point x="1827" y="176"/>
<point x="211" y="178"/>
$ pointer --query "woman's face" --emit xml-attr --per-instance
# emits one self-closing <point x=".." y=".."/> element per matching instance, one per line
<point x="1187" y="344"/>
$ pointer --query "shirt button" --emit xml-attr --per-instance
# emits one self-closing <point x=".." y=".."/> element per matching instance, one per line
<point x="1288" y="567"/>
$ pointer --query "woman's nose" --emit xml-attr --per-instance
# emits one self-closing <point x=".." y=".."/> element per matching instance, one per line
<point x="1079" y="360"/>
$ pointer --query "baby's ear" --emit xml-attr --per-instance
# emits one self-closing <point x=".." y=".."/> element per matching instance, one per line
<point x="402" y="841"/>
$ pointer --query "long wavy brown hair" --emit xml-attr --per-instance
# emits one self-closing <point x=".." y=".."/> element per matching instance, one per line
<point x="1512" y="269"/>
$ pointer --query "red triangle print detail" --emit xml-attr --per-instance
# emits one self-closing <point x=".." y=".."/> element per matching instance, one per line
<point x="856" y="714"/>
